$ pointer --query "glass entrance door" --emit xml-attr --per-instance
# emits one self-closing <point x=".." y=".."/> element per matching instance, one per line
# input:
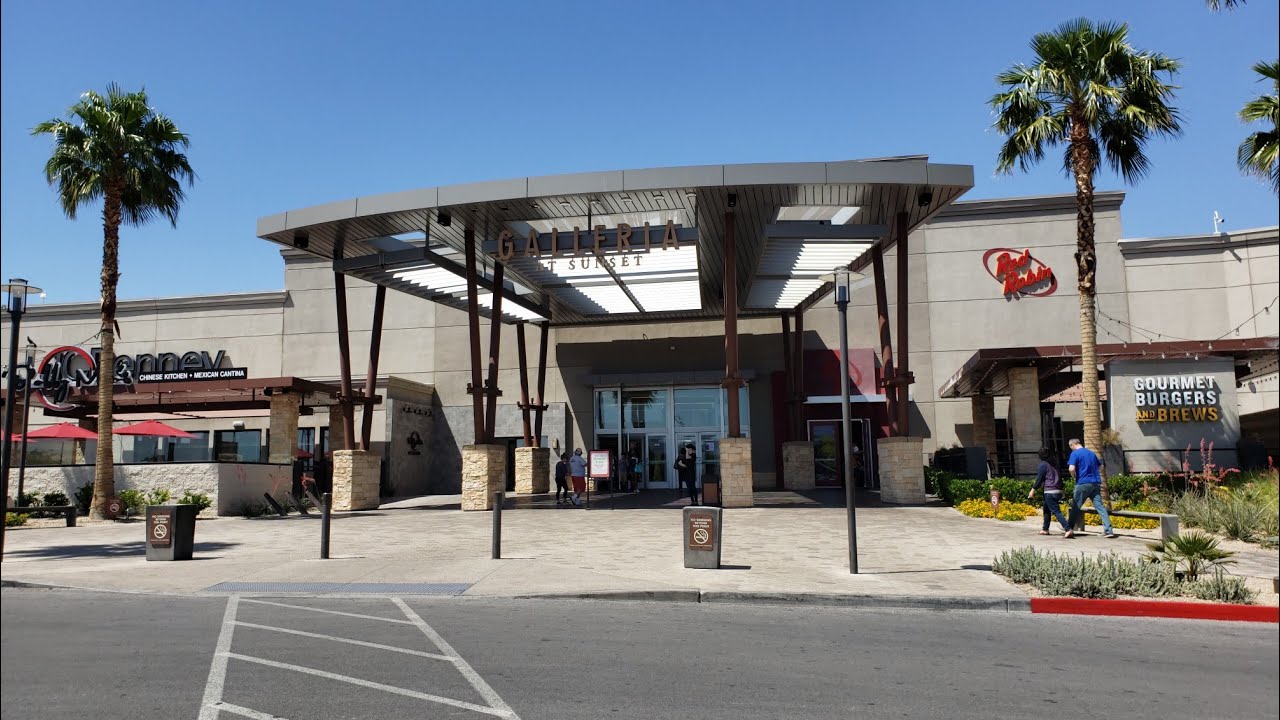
<point x="828" y="453"/>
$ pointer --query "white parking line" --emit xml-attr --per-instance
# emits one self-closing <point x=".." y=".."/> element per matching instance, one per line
<point x="247" y="712"/>
<point x="467" y="671"/>
<point x="505" y="713"/>
<point x="218" y="668"/>
<point x="362" y="643"/>
<point x="329" y="612"/>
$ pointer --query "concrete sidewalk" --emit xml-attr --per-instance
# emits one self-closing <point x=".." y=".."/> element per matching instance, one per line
<point x="791" y="548"/>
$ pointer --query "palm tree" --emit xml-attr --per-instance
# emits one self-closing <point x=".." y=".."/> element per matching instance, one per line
<point x="118" y="149"/>
<point x="1258" y="155"/>
<point x="1089" y="90"/>
<point x="1217" y="5"/>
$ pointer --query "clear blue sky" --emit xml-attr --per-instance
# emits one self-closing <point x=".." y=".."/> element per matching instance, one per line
<point x="295" y="104"/>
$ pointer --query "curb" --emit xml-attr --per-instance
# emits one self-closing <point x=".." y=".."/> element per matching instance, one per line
<point x="901" y="602"/>
<point x="1156" y="608"/>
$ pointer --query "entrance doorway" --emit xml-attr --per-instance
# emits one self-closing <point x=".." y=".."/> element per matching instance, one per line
<point x="828" y="455"/>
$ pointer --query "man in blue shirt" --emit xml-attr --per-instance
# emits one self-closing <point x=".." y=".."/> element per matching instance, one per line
<point x="1086" y="469"/>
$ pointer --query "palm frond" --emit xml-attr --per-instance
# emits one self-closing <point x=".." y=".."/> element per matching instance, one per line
<point x="1259" y="153"/>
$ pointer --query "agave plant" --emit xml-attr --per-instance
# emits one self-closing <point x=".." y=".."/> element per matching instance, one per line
<point x="1191" y="553"/>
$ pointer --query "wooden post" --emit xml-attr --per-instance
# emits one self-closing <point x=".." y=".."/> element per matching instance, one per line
<point x="542" y="386"/>
<point x="495" y="341"/>
<point x="799" y="429"/>
<point x="789" y="377"/>
<point x="886" y="341"/>
<point x="370" y="383"/>
<point x="344" y="352"/>
<point x="904" y="350"/>
<point x="524" y="386"/>
<point x="473" y="322"/>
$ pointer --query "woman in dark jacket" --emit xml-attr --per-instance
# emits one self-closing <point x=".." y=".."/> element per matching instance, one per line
<point x="1048" y="476"/>
<point x="687" y="472"/>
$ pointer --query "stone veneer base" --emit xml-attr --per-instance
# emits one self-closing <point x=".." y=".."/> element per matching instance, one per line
<point x="797" y="465"/>
<point x="484" y="472"/>
<point x="356" y="476"/>
<point x="901" y="470"/>
<point x="533" y="470"/>
<point x="735" y="473"/>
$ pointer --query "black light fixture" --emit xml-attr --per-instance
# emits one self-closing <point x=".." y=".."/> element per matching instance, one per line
<point x="733" y="200"/>
<point x="444" y="218"/>
<point x="925" y="198"/>
<point x="301" y="239"/>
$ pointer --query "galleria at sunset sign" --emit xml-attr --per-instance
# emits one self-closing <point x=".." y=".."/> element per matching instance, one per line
<point x="623" y="238"/>
<point x="1019" y="273"/>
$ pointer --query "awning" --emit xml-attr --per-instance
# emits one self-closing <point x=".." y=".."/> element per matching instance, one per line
<point x="630" y="245"/>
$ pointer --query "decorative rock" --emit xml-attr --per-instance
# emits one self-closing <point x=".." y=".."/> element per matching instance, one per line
<point x="533" y="470"/>
<point x="356" y="475"/>
<point x="797" y="465"/>
<point x="484" y="472"/>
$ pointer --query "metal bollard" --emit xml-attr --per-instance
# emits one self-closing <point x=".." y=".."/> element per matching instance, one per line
<point x="497" y="524"/>
<point x="326" y="500"/>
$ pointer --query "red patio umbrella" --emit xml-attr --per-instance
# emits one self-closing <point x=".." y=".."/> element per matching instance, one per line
<point x="301" y="454"/>
<point x="153" y="428"/>
<point x="62" y="431"/>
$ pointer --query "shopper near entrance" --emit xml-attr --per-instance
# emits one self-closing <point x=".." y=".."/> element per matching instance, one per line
<point x="1047" y="475"/>
<point x="562" y="478"/>
<point x="1086" y="468"/>
<point x="578" y="471"/>
<point x="687" y="471"/>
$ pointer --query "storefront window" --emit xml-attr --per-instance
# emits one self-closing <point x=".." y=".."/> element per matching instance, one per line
<point x="697" y="408"/>
<point x="194" y="449"/>
<point x="307" y="444"/>
<point x="238" y="446"/>
<point x="744" y="409"/>
<point x="607" y="410"/>
<point x="645" y="409"/>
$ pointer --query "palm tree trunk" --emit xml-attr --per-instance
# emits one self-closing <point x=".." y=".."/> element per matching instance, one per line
<point x="1086" y="270"/>
<point x="104" y="485"/>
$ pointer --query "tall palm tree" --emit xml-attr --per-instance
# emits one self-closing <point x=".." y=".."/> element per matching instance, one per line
<point x="1217" y="5"/>
<point x="1259" y="154"/>
<point x="1089" y="90"/>
<point x="116" y="148"/>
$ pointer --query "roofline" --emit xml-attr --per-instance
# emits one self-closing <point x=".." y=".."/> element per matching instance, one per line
<point x="267" y="297"/>
<point x="1200" y="242"/>
<point x="1104" y="200"/>
<point x="908" y="170"/>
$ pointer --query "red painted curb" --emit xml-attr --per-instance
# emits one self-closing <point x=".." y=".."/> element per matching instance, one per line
<point x="1156" y="608"/>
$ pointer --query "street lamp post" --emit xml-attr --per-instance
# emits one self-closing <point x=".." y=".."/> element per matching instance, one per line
<point x="18" y="289"/>
<point x="841" y="277"/>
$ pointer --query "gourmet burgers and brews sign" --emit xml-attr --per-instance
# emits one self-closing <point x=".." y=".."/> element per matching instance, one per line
<point x="1177" y="398"/>
<point x="68" y="367"/>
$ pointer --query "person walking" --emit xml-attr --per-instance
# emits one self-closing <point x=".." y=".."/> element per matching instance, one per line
<point x="687" y="471"/>
<point x="1047" y="475"/>
<point x="578" y="472"/>
<point x="1086" y="469"/>
<point x="562" y="478"/>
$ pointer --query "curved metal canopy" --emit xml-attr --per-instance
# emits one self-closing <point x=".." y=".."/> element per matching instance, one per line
<point x="794" y="223"/>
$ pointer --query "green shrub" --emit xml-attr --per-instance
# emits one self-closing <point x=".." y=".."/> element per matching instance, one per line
<point x="14" y="519"/>
<point x="84" y="496"/>
<point x="1224" y="588"/>
<point x="30" y="499"/>
<point x="200" y="500"/>
<point x="1130" y="487"/>
<point x="1191" y="551"/>
<point x="968" y="489"/>
<point x="1103" y="576"/>
<point x="1010" y="488"/>
<point x="135" y="501"/>
<point x="56" y="498"/>
<point x="158" y="497"/>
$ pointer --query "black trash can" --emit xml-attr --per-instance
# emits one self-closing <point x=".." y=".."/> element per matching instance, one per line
<point x="171" y="531"/>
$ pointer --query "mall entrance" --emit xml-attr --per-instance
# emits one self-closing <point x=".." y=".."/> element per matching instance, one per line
<point x="652" y="423"/>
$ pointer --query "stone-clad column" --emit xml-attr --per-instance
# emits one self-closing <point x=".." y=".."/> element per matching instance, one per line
<point x="901" y="470"/>
<point x="484" y="472"/>
<point x="983" y="408"/>
<point x="735" y="473"/>
<point x="337" y="428"/>
<point x="533" y="470"/>
<point x="356" y="476"/>
<point x="797" y="465"/>
<point x="282" y="436"/>
<point x="1024" y="418"/>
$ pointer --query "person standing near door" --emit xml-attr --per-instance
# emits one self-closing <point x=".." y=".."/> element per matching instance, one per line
<point x="562" y="478"/>
<point x="687" y="471"/>
<point x="578" y="471"/>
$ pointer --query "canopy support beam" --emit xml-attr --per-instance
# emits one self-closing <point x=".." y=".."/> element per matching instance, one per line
<point x="375" y="349"/>
<point x="732" y="381"/>
<point x="474" y="388"/>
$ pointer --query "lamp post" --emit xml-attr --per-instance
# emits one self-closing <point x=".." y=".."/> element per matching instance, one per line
<point x="841" y="278"/>
<point x="30" y="366"/>
<point x="18" y="289"/>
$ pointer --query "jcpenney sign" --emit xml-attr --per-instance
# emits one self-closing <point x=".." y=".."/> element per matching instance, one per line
<point x="68" y="367"/>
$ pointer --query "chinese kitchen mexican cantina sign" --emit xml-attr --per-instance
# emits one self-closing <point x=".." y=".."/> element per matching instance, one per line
<point x="1019" y="273"/>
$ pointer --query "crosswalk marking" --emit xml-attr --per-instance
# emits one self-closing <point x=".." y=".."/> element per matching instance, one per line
<point x="335" y="638"/>
<point x="327" y="612"/>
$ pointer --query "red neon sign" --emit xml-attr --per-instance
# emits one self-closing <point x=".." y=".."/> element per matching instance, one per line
<point x="1020" y="273"/>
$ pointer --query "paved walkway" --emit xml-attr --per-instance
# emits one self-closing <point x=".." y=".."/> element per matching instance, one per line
<point x="788" y="544"/>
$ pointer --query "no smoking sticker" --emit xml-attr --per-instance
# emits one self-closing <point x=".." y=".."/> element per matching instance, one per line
<point x="701" y="533"/>
<point x="159" y="525"/>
